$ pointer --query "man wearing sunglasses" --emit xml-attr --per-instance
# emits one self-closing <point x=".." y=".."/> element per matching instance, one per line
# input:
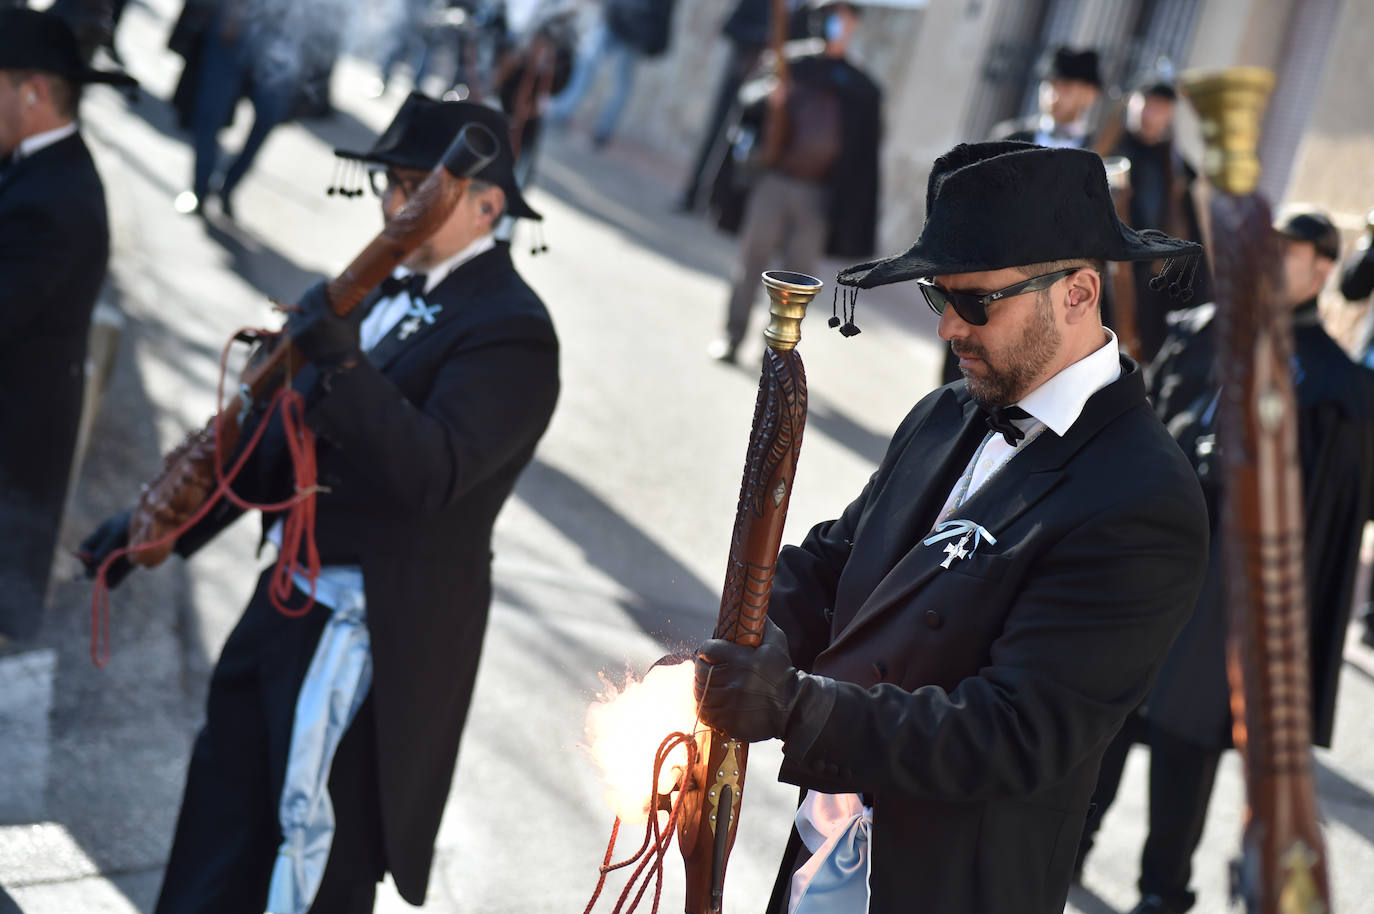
<point x="953" y="653"/>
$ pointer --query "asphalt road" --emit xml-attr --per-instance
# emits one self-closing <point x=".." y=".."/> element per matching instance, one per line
<point x="611" y="552"/>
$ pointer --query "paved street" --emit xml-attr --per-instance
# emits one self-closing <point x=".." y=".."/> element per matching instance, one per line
<point x="611" y="552"/>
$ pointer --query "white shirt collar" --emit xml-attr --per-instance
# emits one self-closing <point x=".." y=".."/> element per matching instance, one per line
<point x="29" y="145"/>
<point x="1060" y="400"/>
<point x="439" y="273"/>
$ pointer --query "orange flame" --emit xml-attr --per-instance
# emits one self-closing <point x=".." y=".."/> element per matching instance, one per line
<point x="625" y="727"/>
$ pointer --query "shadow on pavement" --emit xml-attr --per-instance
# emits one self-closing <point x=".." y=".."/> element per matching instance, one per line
<point x="264" y="268"/>
<point x="1344" y="800"/>
<point x="1088" y="901"/>
<point x="119" y="735"/>
<point x="670" y="603"/>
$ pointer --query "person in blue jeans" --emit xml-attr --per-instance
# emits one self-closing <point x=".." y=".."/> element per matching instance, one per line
<point x="241" y="55"/>
<point x="627" y="31"/>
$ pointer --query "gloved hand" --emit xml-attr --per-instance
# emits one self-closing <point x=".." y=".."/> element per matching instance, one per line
<point x="325" y="338"/>
<point x="751" y="693"/>
<point x="112" y="534"/>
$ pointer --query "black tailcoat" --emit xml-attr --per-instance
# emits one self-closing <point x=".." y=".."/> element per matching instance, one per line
<point x="54" y="247"/>
<point x="976" y="701"/>
<point x="1336" y="447"/>
<point x="419" y="447"/>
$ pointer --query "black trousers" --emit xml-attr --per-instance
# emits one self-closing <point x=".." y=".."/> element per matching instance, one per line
<point x="1182" y="775"/>
<point x="228" y="831"/>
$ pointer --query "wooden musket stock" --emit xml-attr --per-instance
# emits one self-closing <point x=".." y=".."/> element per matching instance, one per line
<point x="711" y="790"/>
<point x="188" y="473"/>
<point x="1283" y="865"/>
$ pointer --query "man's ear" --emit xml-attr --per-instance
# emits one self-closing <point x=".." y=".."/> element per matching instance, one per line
<point x="491" y="205"/>
<point x="1084" y="294"/>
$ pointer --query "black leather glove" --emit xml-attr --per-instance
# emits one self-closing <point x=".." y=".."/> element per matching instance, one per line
<point x="112" y="534"/>
<point x="755" y="694"/>
<point x="326" y="339"/>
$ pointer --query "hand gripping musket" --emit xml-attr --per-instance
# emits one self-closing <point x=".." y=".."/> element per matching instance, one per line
<point x="189" y="473"/>
<point x="712" y="789"/>
<point x="1283" y="865"/>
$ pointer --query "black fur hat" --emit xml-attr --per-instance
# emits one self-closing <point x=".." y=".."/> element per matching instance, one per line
<point x="1071" y="64"/>
<point x="420" y="134"/>
<point x="995" y="205"/>
<point x="33" y="40"/>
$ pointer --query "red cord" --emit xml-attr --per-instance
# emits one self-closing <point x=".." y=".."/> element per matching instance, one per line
<point x="297" y="529"/>
<point x="660" y="838"/>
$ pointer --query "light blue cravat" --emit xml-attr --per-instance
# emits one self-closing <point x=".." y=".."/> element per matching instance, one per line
<point x="838" y="830"/>
<point x="335" y="685"/>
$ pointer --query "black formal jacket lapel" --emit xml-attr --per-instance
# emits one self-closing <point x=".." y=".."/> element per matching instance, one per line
<point x="1032" y="475"/>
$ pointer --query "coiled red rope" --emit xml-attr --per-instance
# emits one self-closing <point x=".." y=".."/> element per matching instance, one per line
<point x="298" y="528"/>
<point x="658" y="840"/>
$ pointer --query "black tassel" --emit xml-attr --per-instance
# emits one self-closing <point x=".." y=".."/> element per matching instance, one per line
<point x="834" y="308"/>
<point x="539" y="246"/>
<point x="334" y="179"/>
<point x="1177" y="276"/>
<point x="359" y="179"/>
<point x="849" y="328"/>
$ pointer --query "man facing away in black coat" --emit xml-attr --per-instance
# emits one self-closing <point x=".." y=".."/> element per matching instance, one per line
<point x="952" y="654"/>
<point x="54" y="246"/>
<point x="425" y="412"/>
<point x="1187" y="721"/>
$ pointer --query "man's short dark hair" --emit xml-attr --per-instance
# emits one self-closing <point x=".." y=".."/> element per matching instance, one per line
<point x="66" y="95"/>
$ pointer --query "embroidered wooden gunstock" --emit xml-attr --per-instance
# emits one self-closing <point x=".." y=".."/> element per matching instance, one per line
<point x="1282" y="869"/>
<point x="712" y="789"/>
<point x="189" y="473"/>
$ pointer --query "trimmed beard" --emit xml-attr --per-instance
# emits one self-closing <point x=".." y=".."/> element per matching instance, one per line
<point x="1024" y="360"/>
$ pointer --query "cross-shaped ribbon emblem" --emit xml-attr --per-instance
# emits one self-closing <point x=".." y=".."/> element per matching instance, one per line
<point x="965" y="530"/>
<point x="418" y="315"/>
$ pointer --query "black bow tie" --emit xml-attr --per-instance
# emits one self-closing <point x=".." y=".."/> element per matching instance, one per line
<point x="1000" y="420"/>
<point x="395" y="285"/>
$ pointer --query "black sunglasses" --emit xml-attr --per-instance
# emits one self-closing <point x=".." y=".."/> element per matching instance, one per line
<point x="384" y="181"/>
<point x="974" y="308"/>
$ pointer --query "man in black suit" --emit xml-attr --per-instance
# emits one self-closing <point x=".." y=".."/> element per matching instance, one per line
<point x="952" y="654"/>
<point x="1187" y="721"/>
<point x="425" y="413"/>
<point x="1068" y="91"/>
<point x="54" y="246"/>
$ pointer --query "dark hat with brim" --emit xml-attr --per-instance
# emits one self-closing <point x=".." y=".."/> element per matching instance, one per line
<point x="421" y="132"/>
<point x="1068" y="63"/>
<point x="33" y="40"/>
<point x="1314" y="226"/>
<point x="990" y="206"/>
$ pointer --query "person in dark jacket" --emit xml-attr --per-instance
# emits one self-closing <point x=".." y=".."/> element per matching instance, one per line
<point x="954" y="651"/>
<point x="1160" y="188"/>
<point x="629" y="30"/>
<point x="54" y="247"/>
<point x="425" y="412"/>
<point x="1068" y="91"/>
<point x="747" y="31"/>
<point x="1188" y="715"/>
<point x="819" y="195"/>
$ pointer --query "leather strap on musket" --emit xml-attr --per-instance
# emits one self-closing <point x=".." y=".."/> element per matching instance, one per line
<point x="1282" y="869"/>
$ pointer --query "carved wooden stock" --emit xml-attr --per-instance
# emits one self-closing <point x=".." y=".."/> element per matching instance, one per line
<point x="713" y="788"/>
<point x="188" y="473"/>
<point x="1283" y="867"/>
